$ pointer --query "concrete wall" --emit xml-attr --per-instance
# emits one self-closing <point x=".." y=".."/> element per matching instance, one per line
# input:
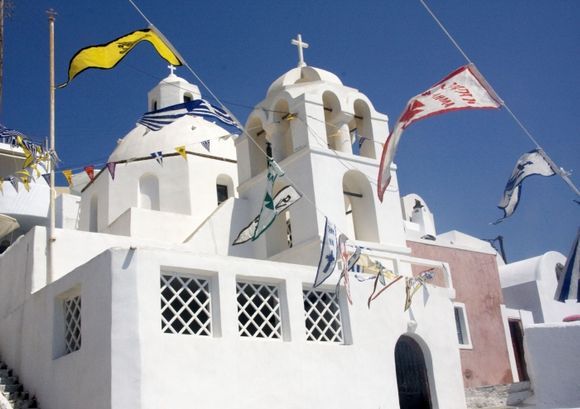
<point x="476" y="282"/>
<point x="553" y="362"/>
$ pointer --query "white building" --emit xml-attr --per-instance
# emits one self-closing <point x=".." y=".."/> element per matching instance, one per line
<point x="147" y="304"/>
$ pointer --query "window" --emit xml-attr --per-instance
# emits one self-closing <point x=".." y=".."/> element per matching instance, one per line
<point x="222" y="193"/>
<point x="149" y="192"/>
<point x="187" y="97"/>
<point x="72" y="324"/>
<point x="322" y="316"/>
<point x="463" y="337"/>
<point x="185" y="305"/>
<point x="258" y="310"/>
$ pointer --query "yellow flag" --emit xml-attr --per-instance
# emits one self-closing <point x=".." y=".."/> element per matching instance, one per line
<point x="68" y="175"/>
<point x="26" y="183"/>
<point x="107" y="56"/>
<point x="181" y="151"/>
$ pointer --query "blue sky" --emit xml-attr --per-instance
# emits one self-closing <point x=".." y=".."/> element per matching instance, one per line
<point x="390" y="50"/>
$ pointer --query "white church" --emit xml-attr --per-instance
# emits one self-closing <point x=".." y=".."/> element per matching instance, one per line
<point x="145" y="303"/>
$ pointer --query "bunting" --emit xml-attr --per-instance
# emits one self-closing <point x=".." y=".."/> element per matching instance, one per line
<point x="532" y="163"/>
<point x="68" y="175"/>
<point x="412" y="285"/>
<point x="111" y="167"/>
<point x="344" y="263"/>
<point x="158" y="156"/>
<point x="285" y="198"/>
<point x="465" y="88"/>
<point x="206" y="144"/>
<point x="181" y="150"/>
<point x="90" y="171"/>
<point x="14" y="182"/>
<point x="268" y="211"/>
<point x="46" y="177"/>
<point x="328" y="254"/>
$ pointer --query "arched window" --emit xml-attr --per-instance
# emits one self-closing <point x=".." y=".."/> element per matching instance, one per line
<point x="224" y="188"/>
<point x="359" y="206"/>
<point x="154" y="106"/>
<point x="149" y="192"/>
<point x="94" y="214"/>
<point x="279" y="234"/>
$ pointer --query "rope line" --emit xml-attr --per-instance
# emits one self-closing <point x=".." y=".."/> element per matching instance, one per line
<point x="559" y="170"/>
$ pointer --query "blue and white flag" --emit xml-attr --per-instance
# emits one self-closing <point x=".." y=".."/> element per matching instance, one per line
<point x="328" y="254"/>
<point x="569" y="280"/>
<point x="158" y="156"/>
<point x="155" y="120"/>
<point x="531" y="163"/>
<point x="285" y="198"/>
<point x="206" y="144"/>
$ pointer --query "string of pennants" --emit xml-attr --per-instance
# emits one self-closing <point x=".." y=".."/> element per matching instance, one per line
<point x="335" y="256"/>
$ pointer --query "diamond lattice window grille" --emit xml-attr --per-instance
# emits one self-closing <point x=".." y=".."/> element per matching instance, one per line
<point x="322" y="316"/>
<point x="258" y="310"/>
<point x="72" y="322"/>
<point x="185" y="305"/>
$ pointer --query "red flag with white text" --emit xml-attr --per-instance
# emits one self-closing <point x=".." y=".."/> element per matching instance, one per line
<point x="465" y="88"/>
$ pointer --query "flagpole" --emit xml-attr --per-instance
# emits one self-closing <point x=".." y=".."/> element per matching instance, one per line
<point x="52" y="213"/>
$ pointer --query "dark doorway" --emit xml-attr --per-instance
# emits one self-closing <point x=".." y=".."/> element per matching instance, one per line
<point x="517" y="336"/>
<point x="412" y="379"/>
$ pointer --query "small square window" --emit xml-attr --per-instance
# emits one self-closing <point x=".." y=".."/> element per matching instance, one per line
<point x="322" y="316"/>
<point x="185" y="305"/>
<point x="258" y="310"/>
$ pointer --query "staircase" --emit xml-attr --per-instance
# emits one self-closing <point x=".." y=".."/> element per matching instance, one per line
<point x="13" y="395"/>
<point x="511" y="396"/>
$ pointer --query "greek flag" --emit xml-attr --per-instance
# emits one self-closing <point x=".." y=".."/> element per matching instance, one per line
<point x="155" y="120"/>
<point x="531" y="163"/>
<point x="569" y="279"/>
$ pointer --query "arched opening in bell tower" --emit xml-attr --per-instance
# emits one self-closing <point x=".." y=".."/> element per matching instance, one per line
<point x="337" y="133"/>
<point x="359" y="207"/>
<point x="361" y="131"/>
<point x="257" y="146"/>
<point x="282" y="143"/>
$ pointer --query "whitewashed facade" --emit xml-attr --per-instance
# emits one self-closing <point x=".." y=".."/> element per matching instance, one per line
<point x="148" y="304"/>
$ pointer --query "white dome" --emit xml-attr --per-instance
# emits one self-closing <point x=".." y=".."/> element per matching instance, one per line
<point x="301" y="75"/>
<point x="187" y="130"/>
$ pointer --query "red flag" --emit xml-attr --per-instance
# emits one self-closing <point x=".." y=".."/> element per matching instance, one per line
<point x="465" y="88"/>
<point x="90" y="171"/>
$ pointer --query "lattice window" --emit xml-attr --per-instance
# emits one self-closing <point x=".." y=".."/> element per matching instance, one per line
<point x="72" y="322"/>
<point x="185" y="305"/>
<point x="258" y="310"/>
<point x="322" y="316"/>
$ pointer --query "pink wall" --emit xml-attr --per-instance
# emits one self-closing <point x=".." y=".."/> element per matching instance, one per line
<point x="476" y="281"/>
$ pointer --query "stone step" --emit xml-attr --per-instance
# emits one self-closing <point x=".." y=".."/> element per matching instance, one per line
<point x="13" y="391"/>
<point x="498" y="396"/>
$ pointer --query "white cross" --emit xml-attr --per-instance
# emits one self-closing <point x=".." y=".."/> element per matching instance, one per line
<point x="298" y="43"/>
<point x="171" y="69"/>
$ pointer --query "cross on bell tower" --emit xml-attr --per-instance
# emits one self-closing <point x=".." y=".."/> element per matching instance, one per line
<point x="171" y="69"/>
<point x="298" y="43"/>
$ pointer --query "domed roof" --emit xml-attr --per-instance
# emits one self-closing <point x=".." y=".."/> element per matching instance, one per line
<point x="301" y="75"/>
<point x="187" y="130"/>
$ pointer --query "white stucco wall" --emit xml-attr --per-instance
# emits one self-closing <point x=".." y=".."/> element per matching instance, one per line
<point x="531" y="284"/>
<point x="553" y="361"/>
